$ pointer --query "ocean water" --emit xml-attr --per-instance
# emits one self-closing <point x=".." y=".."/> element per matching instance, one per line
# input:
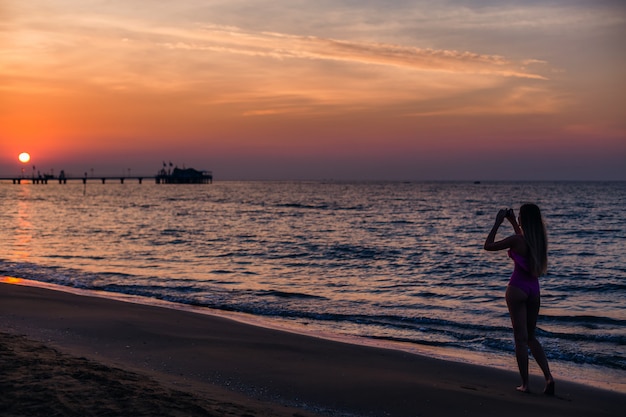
<point x="393" y="264"/>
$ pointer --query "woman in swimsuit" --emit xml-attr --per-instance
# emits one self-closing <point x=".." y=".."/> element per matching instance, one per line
<point x="528" y="249"/>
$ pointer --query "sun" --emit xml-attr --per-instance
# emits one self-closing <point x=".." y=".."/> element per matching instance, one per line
<point x="24" y="157"/>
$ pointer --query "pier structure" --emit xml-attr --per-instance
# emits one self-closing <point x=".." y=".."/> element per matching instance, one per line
<point x="175" y="176"/>
<point x="184" y="176"/>
<point x="64" y="180"/>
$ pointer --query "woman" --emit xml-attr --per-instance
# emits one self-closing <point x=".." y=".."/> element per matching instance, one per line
<point x="528" y="249"/>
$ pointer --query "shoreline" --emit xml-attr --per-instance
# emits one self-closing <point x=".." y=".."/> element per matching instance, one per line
<point x="272" y="371"/>
<point x="591" y="376"/>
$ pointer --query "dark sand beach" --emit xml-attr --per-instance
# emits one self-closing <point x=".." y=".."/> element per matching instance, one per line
<point x="64" y="354"/>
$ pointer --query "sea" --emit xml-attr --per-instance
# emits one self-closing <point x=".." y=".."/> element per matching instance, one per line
<point x="398" y="265"/>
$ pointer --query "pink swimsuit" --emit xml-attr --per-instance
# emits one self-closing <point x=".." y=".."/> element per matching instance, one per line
<point x="521" y="277"/>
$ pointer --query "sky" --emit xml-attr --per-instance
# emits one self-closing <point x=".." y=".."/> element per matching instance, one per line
<point x="325" y="89"/>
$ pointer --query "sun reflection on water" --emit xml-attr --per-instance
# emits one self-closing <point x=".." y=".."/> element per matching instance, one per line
<point x="10" y="280"/>
<point x="24" y="229"/>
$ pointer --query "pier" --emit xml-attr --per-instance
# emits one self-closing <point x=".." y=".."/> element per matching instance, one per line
<point x="177" y="176"/>
<point x="46" y="180"/>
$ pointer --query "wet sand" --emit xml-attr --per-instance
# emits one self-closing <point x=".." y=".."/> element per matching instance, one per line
<point x="64" y="354"/>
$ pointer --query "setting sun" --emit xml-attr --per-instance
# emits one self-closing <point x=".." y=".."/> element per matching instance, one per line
<point x="24" y="157"/>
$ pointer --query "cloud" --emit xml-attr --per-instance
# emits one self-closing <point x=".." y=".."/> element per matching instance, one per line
<point x="285" y="46"/>
<point x="257" y="73"/>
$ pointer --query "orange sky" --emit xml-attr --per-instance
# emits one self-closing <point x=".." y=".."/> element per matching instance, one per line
<point x="331" y="89"/>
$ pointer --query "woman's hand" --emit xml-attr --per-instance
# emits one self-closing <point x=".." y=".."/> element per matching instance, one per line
<point x="510" y="215"/>
<point x="501" y="215"/>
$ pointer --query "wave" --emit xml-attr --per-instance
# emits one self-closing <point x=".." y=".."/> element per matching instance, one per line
<point x="341" y="251"/>
<point x="71" y="256"/>
<point x="587" y="286"/>
<point x="323" y="206"/>
<point x="584" y="320"/>
<point x="429" y="328"/>
<point x="285" y="294"/>
<point x="304" y="206"/>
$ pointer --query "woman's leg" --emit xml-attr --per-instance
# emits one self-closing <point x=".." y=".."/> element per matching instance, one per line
<point x="516" y="302"/>
<point x="534" y="345"/>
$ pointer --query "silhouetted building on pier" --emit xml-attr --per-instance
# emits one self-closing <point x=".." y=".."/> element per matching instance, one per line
<point x="184" y="176"/>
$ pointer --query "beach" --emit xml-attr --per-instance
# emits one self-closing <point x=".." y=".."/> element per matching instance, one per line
<point x="70" y="354"/>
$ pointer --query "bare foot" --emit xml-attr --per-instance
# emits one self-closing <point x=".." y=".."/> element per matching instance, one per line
<point x="549" y="387"/>
<point x="523" y="388"/>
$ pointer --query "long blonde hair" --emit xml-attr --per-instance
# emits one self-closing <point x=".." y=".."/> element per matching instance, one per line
<point x="535" y="234"/>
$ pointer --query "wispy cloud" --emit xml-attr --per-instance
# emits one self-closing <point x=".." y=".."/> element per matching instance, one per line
<point x="286" y="46"/>
<point x="265" y="73"/>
